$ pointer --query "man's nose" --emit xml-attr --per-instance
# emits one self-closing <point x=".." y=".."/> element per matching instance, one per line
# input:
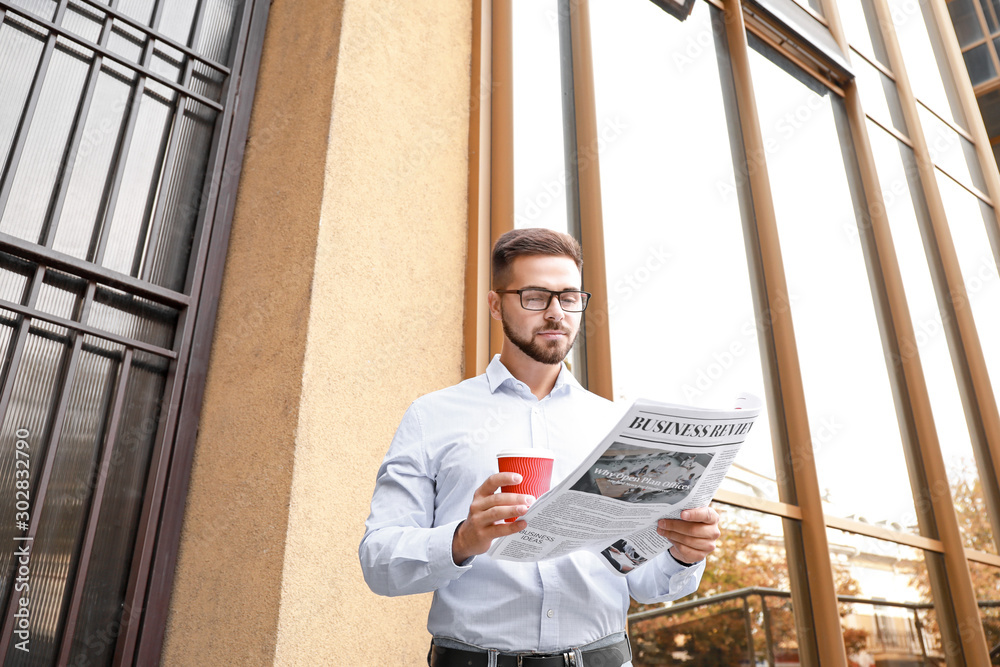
<point x="554" y="311"/>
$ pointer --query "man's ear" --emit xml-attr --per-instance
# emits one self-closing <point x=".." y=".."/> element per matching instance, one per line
<point x="493" y="300"/>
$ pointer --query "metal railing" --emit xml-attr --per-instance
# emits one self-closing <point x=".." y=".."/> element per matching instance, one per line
<point x="744" y="595"/>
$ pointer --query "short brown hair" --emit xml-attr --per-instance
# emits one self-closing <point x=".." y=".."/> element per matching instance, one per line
<point x="531" y="241"/>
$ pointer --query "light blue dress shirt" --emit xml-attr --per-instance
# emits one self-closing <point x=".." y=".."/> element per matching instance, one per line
<point x="444" y="449"/>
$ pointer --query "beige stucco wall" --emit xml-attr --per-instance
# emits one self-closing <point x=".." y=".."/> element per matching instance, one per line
<point x="341" y="303"/>
<point x="227" y="587"/>
<point x="385" y="323"/>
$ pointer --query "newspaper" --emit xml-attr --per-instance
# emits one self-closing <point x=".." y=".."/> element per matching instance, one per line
<point x="658" y="460"/>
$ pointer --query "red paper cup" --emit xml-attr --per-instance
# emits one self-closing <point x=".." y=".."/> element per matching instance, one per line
<point x="534" y="466"/>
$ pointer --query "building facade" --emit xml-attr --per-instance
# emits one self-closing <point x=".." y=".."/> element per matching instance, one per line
<point x="238" y="238"/>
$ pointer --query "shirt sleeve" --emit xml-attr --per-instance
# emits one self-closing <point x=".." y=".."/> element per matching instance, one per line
<point x="402" y="551"/>
<point x="664" y="579"/>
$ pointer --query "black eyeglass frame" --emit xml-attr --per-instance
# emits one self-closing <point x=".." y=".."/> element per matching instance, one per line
<point x="519" y="293"/>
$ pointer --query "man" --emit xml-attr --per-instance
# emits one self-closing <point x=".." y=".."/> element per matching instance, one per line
<point x="436" y="509"/>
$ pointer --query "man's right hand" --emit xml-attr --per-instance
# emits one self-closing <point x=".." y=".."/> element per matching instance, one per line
<point x="486" y="515"/>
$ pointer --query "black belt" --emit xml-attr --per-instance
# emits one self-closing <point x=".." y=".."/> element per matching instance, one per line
<point x="610" y="656"/>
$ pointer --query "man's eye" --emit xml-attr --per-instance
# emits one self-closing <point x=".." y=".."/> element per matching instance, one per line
<point x="570" y="299"/>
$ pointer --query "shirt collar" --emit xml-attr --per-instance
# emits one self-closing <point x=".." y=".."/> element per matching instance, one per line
<point x="497" y="375"/>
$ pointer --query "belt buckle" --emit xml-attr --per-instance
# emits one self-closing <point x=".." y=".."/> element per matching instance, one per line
<point x="569" y="659"/>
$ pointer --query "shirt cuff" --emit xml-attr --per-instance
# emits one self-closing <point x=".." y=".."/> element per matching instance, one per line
<point x="680" y="562"/>
<point x="439" y="551"/>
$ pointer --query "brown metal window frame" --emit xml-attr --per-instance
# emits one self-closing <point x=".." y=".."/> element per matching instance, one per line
<point x="150" y="582"/>
<point x="491" y="175"/>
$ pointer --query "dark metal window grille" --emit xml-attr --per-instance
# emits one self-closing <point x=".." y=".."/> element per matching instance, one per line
<point x="120" y="131"/>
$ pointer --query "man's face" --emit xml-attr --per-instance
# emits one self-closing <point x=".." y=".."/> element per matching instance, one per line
<point x="544" y="335"/>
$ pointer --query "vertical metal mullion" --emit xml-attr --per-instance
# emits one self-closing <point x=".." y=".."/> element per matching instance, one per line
<point x="571" y="169"/>
<point x="49" y="231"/>
<point x="94" y="513"/>
<point x="99" y="241"/>
<point x="21" y="135"/>
<point x="501" y="137"/>
<point x="477" y="270"/>
<point x="59" y="419"/>
<point x="768" y="640"/>
<point x="144" y="252"/>
<point x="920" y="634"/>
<point x="598" y="348"/>
<point x="821" y="636"/>
<point x="748" y="626"/>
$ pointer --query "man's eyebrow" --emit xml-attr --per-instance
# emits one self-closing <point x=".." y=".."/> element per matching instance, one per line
<point x="567" y="289"/>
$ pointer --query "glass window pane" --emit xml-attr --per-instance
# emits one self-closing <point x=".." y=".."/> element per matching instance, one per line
<point x="837" y="334"/>
<point x="92" y="167"/>
<point x="176" y="20"/>
<point x="951" y="151"/>
<point x="20" y="50"/>
<point x="968" y="218"/>
<point x="539" y="165"/>
<point x="140" y="10"/>
<point x="879" y="97"/>
<point x="991" y="23"/>
<point x="670" y="195"/>
<point x="218" y="28"/>
<point x="894" y="616"/>
<point x="14" y="275"/>
<point x="36" y="382"/>
<point x="979" y="64"/>
<point x="909" y="224"/>
<point x="111" y="558"/>
<point x="142" y="168"/>
<point x="63" y="518"/>
<point x="61" y="295"/>
<point x="989" y="105"/>
<point x="863" y="33"/>
<point x="128" y="315"/>
<point x="750" y="555"/>
<point x="925" y="60"/>
<point x="963" y="17"/>
<point x="184" y="191"/>
<point x="539" y="142"/>
<point x="43" y="8"/>
<point x="45" y="147"/>
<point x="83" y="20"/>
<point x="126" y="41"/>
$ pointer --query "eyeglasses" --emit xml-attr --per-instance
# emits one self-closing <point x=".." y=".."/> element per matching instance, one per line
<point x="534" y="298"/>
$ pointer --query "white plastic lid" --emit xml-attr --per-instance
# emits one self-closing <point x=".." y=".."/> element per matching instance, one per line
<point x="536" y="453"/>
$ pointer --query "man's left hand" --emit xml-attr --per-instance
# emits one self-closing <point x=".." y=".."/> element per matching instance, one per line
<point x="693" y="535"/>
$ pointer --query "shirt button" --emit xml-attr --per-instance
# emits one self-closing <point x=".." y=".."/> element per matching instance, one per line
<point x="550" y="613"/>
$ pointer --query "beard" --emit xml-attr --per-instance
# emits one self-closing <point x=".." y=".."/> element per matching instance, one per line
<point x="545" y="352"/>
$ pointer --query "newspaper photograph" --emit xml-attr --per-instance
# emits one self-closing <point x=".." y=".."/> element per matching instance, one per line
<point x="658" y="460"/>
